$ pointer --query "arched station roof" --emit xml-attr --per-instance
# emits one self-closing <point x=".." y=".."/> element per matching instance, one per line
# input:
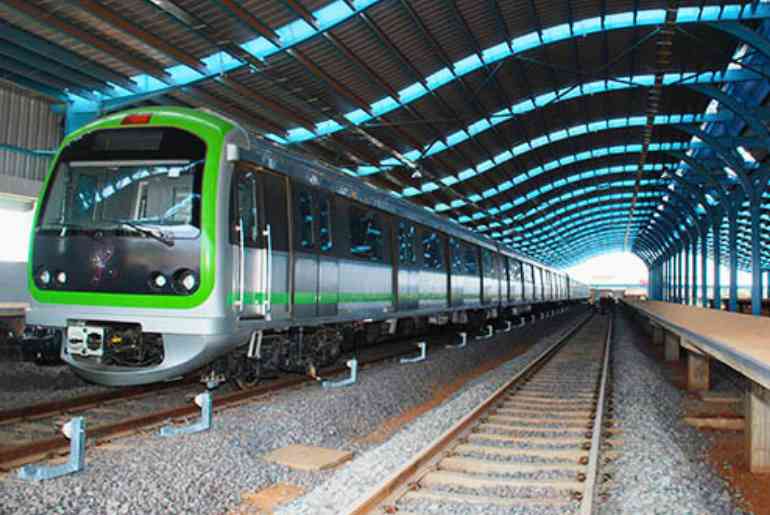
<point x="561" y="128"/>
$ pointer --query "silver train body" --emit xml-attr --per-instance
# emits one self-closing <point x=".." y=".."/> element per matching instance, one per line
<point x="287" y="273"/>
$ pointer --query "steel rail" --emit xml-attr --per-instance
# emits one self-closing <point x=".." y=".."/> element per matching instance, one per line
<point x="12" y="456"/>
<point x="399" y="480"/>
<point x="587" y="506"/>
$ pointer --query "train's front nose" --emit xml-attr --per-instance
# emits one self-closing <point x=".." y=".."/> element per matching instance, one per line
<point x="118" y="246"/>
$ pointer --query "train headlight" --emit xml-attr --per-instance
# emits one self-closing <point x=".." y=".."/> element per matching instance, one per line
<point x="61" y="277"/>
<point x="159" y="280"/>
<point x="185" y="281"/>
<point x="44" y="277"/>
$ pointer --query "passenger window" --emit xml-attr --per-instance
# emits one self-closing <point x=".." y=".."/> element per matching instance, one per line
<point x="245" y="209"/>
<point x="433" y="255"/>
<point x="515" y="267"/>
<point x="471" y="261"/>
<point x="325" y="223"/>
<point x="366" y="236"/>
<point x="305" y="204"/>
<point x="489" y="263"/>
<point x="406" y="253"/>
<point x="456" y="251"/>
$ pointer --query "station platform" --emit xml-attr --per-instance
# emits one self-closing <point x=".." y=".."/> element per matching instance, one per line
<point x="739" y="341"/>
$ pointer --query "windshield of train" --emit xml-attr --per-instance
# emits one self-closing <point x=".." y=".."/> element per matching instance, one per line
<point x="101" y="183"/>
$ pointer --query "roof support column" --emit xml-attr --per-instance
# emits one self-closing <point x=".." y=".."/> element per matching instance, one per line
<point x="732" y="216"/>
<point x="756" y="253"/>
<point x="686" y="256"/>
<point x="704" y="287"/>
<point x="717" y="265"/>
<point x="695" y="272"/>
<point x="680" y="276"/>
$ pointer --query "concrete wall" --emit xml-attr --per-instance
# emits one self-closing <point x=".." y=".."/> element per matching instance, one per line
<point x="13" y="282"/>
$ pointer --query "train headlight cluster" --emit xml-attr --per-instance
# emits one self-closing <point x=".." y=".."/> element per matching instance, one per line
<point x="159" y="280"/>
<point x="44" y="277"/>
<point x="61" y="277"/>
<point x="185" y="281"/>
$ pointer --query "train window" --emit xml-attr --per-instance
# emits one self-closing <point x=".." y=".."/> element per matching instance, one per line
<point x="488" y="263"/>
<point x="456" y="255"/>
<point x="471" y="261"/>
<point x="245" y="209"/>
<point x="515" y="270"/>
<point x="325" y="225"/>
<point x="366" y="234"/>
<point x="305" y="205"/>
<point x="433" y="255"/>
<point x="406" y="253"/>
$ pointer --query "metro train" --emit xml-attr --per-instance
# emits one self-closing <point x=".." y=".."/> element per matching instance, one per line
<point x="168" y="240"/>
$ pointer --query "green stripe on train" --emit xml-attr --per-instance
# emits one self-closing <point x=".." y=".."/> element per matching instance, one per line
<point x="308" y="298"/>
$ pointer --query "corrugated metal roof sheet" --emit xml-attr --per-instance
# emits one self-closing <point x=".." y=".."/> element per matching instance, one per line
<point x="27" y="122"/>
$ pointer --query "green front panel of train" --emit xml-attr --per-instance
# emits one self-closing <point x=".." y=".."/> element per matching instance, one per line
<point x="212" y="130"/>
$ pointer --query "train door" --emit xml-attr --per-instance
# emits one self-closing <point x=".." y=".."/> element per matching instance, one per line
<point x="328" y="263"/>
<point x="306" y="259"/>
<point x="408" y="271"/>
<point x="258" y="234"/>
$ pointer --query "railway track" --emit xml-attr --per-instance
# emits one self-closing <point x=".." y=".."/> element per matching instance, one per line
<point x="32" y="433"/>
<point x="536" y="442"/>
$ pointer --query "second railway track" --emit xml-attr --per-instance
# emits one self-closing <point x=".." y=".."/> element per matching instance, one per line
<point x="536" y="442"/>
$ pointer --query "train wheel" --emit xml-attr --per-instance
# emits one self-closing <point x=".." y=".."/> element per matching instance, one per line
<point x="245" y="372"/>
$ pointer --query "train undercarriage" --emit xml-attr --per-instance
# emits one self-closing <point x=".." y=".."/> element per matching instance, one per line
<point x="308" y="350"/>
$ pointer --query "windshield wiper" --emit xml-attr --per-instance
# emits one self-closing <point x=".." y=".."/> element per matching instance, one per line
<point x="156" y="235"/>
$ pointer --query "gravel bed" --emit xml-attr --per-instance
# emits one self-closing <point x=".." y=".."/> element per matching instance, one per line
<point x="662" y="466"/>
<point x="208" y="472"/>
<point x="24" y="383"/>
<point x="352" y="482"/>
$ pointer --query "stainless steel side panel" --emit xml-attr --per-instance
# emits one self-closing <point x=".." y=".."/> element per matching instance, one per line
<point x="365" y="286"/>
<point x="305" y="284"/>
<point x="328" y="284"/>
<point x="433" y="289"/>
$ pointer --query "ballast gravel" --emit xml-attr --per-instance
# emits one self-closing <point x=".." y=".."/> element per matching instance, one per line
<point x="661" y="466"/>
<point x="352" y="482"/>
<point x="208" y="472"/>
<point x="23" y="383"/>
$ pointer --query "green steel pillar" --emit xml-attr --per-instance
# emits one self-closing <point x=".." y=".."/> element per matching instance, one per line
<point x="756" y="254"/>
<point x="703" y="269"/>
<point x="686" y="258"/>
<point x="695" y="272"/>
<point x="717" y="265"/>
<point x="733" y="244"/>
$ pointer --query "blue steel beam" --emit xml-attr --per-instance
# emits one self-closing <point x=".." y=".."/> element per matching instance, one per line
<point x="522" y="195"/>
<point x="587" y="206"/>
<point x="33" y="85"/>
<point x="593" y="198"/>
<point x="340" y="11"/>
<point x="609" y="182"/>
<point x="561" y="229"/>
<point x="540" y="233"/>
<point x="587" y="89"/>
<point x="532" y="41"/>
<point x="570" y="159"/>
<point x="588" y="127"/>
<point x="67" y="58"/>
